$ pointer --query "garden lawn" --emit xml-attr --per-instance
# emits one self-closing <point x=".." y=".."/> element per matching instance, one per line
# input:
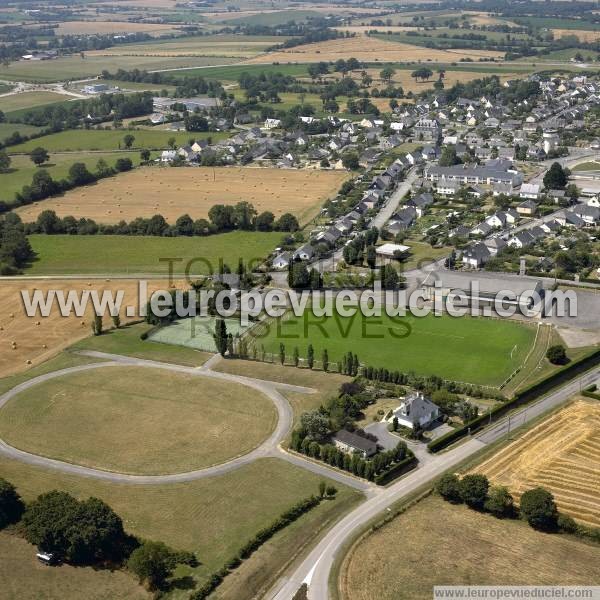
<point x="110" y="139"/>
<point x="138" y="420"/>
<point x="114" y="254"/>
<point x="469" y="349"/>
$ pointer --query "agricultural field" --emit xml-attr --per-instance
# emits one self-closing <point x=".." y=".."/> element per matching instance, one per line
<point x="560" y="454"/>
<point x="236" y="46"/>
<point x="106" y="27"/>
<point x="22" y="169"/>
<point x="7" y="129"/>
<point x="582" y="34"/>
<point x="30" y="100"/>
<point x="74" y="66"/>
<point x="213" y="517"/>
<point x="438" y="543"/>
<point x="368" y="49"/>
<point x="174" y="192"/>
<point x="182" y="422"/>
<point x="123" y="255"/>
<point x="76" y="140"/>
<point x="444" y="346"/>
<point x="37" y="339"/>
<point x="19" y="565"/>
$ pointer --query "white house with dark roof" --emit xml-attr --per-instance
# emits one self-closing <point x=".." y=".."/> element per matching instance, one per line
<point x="352" y="443"/>
<point x="416" y="412"/>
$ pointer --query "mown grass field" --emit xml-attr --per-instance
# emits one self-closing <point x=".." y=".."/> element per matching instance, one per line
<point x="182" y="422"/>
<point x="110" y="139"/>
<point x="30" y="100"/>
<point x="126" y="341"/>
<point x="7" y="129"/>
<point x="437" y="543"/>
<point x="474" y="350"/>
<point x="212" y="517"/>
<point x="22" y="169"/>
<point x="22" y="577"/>
<point x="174" y="192"/>
<point x="113" y="254"/>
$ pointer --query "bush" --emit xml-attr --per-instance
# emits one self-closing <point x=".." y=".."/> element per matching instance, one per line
<point x="539" y="509"/>
<point x="567" y="524"/>
<point x="449" y="488"/>
<point x="557" y="355"/>
<point x="500" y="502"/>
<point x="152" y="563"/>
<point x="474" y="490"/>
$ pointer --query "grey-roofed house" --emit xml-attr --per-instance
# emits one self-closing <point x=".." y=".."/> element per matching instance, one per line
<point x="416" y="412"/>
<point x="476" y="255"/>
<point x="351" y="442"/>
<point x="528" y="208"/>
<point x="470" y="175"/>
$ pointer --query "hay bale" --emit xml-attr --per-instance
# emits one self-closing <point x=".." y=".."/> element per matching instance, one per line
<point x="28" y="362"/>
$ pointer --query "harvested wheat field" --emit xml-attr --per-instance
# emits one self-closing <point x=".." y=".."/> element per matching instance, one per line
<point x="561" y="454"/>
<point x="368" y="49"/>
<point x="26" y="341"/>
<point x="173" y="192"/>
<point x="110" y="27"/>
<point x="584" y="35"/>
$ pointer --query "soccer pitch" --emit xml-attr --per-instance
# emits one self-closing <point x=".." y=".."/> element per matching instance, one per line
<point x="469" y="349"/>
<point x="195" y="332"/>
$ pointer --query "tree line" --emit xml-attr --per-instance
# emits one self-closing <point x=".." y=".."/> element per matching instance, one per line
<point x="49" y="223"/>
<point x="536" y="506"/>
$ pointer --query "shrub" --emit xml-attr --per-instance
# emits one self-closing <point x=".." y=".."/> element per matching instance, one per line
<point x="474" y="490"/>
<point x="539" y="509"/>
<point x="557" y="355"/>
<point x="152" y="563"/>
<point x="567" y="524"/>
<point x="449" y="488"/>
<point x="500" y="502"/>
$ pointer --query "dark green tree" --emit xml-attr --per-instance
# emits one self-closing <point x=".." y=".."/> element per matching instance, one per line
<point x="325" y="360"/>
<point x="448" y="487"/>
<point x="152" y="563"/>
<point x="220" y="336"/>
<point x="310" y="356"/>
<point x="474" y="490"/>
<point x="557" y="354"/>
<point x="539" y="509"/>
<point x="556" y="177"/>
<point x="500" y="502"/>
<point x="11" y="505"/>
<point x="39" y="156"/>
<point x="282" y="354"/>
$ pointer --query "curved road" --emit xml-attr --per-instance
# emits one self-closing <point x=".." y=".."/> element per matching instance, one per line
<point x="315" y="569"/>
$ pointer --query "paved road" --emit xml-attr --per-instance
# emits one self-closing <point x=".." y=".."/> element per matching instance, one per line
<point x="315" y="569"/>
<point x="393" y="202"/>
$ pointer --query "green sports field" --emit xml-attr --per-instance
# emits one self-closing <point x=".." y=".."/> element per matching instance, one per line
<point x="196" y="332"/>
<point x="115" y="254"/>
<point x="475" y="350"/>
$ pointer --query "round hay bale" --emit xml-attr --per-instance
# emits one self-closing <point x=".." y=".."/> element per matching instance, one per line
<point x="12" y="315"/>
<point x="38" y="323"/>
<point x="28" y="362"/>
<point x="44" y="346"/>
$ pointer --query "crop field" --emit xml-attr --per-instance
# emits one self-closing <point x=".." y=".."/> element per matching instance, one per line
<point x="174" y="192"/>
<point x="19" y="565"/>
<point x="451" y="348"/>
<point x="195" y="332"/>
<point x="368" y="49"/>
<point x="74" y="67"/>
<point x="213" y="517"/>
<point x="182" y="422"/>
<point x="118" y="254"/>
<point x="438" y="543"/>
<point x="582" y="34"/>
<point x="38" y="338"/>
<point x="106" y="27"/>
<point x="237" y="46"/>
<point x="561" y="454"/>
<point x="22" y="169"/>
<point x="30" y="100"/>
<point x="109" y="140"/>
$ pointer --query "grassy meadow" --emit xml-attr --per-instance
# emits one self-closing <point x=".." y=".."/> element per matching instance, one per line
<point x="100" y="254"/>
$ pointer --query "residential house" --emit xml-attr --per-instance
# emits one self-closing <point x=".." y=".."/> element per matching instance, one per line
<point x="416" y="412"/>
<point x="305" y="252"/>
<point x="527" y="208"/>
<point x="282" y="261"/>
<point x="352" y="443"/>
<point x="530" y="191"/>
<point x="476" y="255"/>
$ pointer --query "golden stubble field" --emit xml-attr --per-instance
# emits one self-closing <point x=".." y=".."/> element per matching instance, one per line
<point x="110" y="27"/>
<point x="368" y="49"/>
<point x="173" y="192"/>
<point x="561" y="454"/>
<point x="39" y="338"/>
<point x="584" y="35"/>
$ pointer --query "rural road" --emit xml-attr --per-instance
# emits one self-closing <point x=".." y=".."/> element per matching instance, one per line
<point x="271" y="447"/>
<point x="315" y="569"/>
